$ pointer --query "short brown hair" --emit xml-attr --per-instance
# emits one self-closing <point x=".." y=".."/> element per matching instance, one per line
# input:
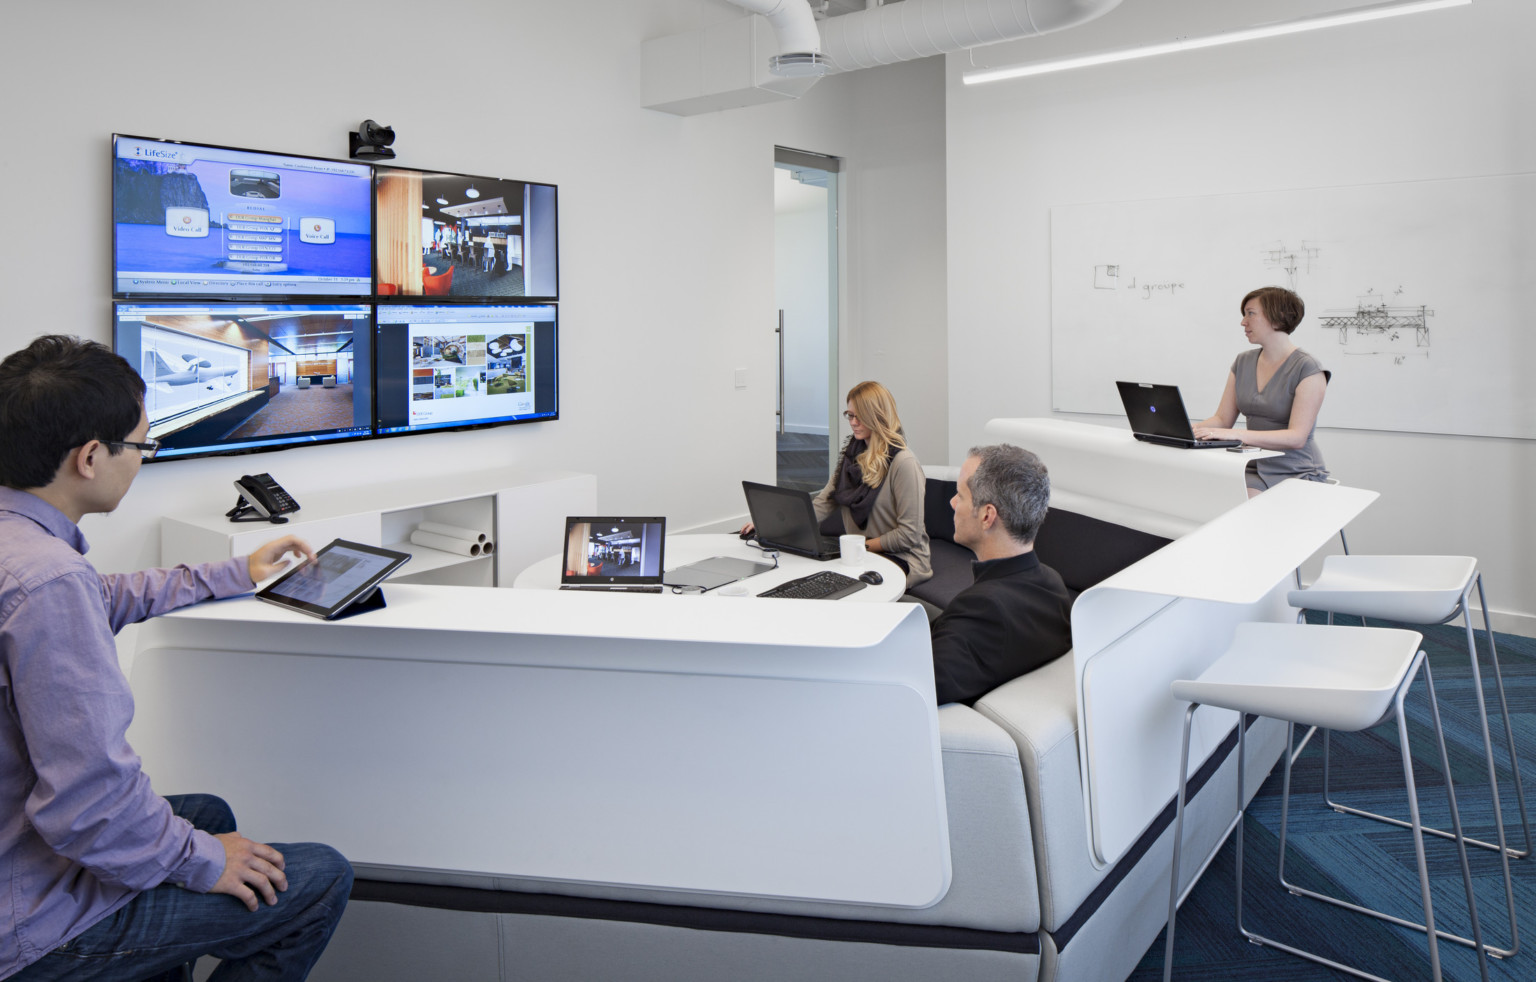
<point x="1282" y="307"/>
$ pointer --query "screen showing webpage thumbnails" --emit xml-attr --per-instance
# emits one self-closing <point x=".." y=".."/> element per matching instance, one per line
<point x="459" y="366"/>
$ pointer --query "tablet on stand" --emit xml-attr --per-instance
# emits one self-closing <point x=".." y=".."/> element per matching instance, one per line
<point x="341" y="581"/>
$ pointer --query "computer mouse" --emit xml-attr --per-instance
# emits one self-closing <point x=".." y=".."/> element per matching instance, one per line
<point x="871" y="577"/>
<point x="746" y="534"/>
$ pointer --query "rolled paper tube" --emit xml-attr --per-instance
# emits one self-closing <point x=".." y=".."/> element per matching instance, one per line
<point x="446" y="543"/>
<point x="452" y="531"/>
<point x="488" y="548"/>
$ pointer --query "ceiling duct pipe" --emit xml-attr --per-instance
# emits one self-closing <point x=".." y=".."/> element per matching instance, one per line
<point x="913" y="29"/>
<point x="799" y="42"/>
<point x="733" y="64"/>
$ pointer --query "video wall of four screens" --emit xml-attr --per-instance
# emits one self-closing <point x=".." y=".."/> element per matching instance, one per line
<point x="272" y="300"/>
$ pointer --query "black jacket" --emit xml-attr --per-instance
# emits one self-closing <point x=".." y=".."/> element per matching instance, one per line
<point x="1013" y="619"/>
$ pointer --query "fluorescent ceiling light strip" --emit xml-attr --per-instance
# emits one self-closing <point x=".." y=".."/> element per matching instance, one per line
<point x="1362" y="15"/>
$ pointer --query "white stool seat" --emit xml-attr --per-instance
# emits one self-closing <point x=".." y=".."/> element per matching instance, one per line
<point x="1427" y="590"/>
<point x="1338" y="678"/>
<point x="1346" y="678"/>
<point x="1413" y="589"/>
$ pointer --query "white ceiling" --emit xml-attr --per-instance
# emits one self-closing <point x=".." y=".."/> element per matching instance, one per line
<point x="1141" y="22"/>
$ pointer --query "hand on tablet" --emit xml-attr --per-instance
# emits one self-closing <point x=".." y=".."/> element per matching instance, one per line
<point x="268" y="560"/>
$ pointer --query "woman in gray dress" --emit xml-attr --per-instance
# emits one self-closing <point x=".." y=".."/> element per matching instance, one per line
<point x="1278" y="387"/>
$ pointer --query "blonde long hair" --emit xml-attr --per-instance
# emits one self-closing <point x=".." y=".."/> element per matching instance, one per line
<point x="875" y="407"/>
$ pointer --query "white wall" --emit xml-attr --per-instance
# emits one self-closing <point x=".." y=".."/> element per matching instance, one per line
<point x="666" y="224"/>
<point x="1442" y="95"/>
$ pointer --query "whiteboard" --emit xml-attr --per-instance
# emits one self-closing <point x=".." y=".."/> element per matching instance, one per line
<point x="1417" y="298"/>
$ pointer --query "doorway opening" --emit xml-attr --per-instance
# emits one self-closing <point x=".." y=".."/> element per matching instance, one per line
<point x="805" y="198"/>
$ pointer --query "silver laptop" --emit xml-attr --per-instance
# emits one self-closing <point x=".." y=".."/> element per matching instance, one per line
<point x="613" y="554"/>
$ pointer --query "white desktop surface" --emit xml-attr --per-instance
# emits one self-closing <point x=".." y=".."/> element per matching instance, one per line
<point x="685" y="548"/>
<point x="567" y="736"/>
<point x="1104" y="472"/>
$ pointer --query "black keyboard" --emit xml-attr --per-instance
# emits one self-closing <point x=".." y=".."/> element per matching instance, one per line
<point x="825" y="585"/>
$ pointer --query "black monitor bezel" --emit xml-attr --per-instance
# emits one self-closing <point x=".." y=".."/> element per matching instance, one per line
<point x="465" y="302"/>
<point x="328" y="440"/>
<point x="121" y="295"/>
<point x="379" y="169"/>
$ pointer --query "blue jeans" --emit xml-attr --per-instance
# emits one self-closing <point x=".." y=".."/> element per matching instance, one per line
<point x="160" y="932"/>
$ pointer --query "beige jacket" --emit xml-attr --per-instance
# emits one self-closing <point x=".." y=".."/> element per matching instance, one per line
<point x="897" y="518"/>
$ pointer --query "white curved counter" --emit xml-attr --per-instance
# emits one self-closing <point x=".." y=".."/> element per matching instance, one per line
<point x="569" y="736"/>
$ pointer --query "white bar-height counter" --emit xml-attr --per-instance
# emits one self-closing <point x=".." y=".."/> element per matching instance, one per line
<point x="1168" y="617"/>
<point x="566" y="736"/>
<point x="1106" y="473"/>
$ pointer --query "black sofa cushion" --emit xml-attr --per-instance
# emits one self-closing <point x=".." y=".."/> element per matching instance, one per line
<point x="1087" y="550"/>
<point x="951" y="572"/>
<point x="938" y="516"/>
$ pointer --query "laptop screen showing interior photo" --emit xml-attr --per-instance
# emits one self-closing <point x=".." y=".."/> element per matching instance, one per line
<point x="1157" y="415"/>
<point x="617" y="554"/>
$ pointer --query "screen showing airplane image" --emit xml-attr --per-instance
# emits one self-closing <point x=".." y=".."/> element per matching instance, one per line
<point x="190" y="219"/>
<point x="445" y="367"/>
<point x="452" y="235"/>
<point x="236" y="378"/>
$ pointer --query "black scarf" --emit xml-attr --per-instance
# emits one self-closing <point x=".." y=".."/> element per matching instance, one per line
<point x="851" y="491"/>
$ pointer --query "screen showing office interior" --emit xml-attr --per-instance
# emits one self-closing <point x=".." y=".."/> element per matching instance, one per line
<point x="199" y="220"/>
<point x="608" y="549"/>
<point x="459" y="236"/>
<point x="443" y="367"/>
<point x="232" y="378"/>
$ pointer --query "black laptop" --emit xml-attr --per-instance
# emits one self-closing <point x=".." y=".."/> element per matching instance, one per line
<point x="785" y="520"/>
<point x="1157" y="415"/>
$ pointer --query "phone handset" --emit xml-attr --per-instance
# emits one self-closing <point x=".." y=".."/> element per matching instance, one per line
<point x="261" y="500"/>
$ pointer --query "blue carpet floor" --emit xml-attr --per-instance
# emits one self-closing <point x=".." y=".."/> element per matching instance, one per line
<point x="1372" y="863"/>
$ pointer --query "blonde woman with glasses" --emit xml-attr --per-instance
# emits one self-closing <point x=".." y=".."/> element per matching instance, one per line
<point x="876" y="488"/>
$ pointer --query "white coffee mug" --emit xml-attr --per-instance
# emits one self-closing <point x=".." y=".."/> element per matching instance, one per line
<point x="852" y="549"/>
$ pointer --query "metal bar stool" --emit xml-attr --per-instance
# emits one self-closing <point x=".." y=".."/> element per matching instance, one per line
<point x="1339" y="678"/>
<point x="1426" y="590"/>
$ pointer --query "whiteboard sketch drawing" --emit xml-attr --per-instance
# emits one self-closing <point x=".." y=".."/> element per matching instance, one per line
<point x="1460" y="249"/>
<point x="1380" y="328"/>
<point x="1106" y="277"/>
<point x="1292" y="260"/>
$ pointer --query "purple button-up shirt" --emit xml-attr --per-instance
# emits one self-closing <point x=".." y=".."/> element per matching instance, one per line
<point x="81" y="830"/>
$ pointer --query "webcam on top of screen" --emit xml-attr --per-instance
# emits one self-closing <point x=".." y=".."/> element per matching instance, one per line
<point x="371" y="142"/>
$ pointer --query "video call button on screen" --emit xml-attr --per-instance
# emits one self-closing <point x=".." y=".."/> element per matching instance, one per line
<point x="186" y="223"/>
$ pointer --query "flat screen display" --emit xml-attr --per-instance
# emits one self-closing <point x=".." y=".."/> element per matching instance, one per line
<point x="447" y="367"/>
<point x="226" y="378"/>
<point x="452" y="235"/>
<point x="193" y="219"/>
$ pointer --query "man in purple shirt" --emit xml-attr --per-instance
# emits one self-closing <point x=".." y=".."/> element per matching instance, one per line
<point x="106" y="879"/>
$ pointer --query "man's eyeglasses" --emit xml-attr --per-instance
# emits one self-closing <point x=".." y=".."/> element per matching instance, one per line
<point x="147" y="449"/>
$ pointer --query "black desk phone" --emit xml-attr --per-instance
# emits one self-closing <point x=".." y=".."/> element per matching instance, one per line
<point x="261" y="500"/>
